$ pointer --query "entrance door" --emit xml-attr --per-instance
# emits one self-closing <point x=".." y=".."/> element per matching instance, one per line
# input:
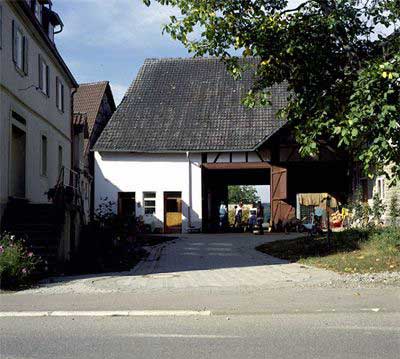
<point x="172" y="212"/>
<point x="18" y="162"/>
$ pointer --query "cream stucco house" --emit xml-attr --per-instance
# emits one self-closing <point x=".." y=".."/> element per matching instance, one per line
<point x="35" y="103"/>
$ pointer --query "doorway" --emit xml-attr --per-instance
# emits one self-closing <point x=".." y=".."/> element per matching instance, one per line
<point x="172" y="212"/>
<point x="18" y="162"/>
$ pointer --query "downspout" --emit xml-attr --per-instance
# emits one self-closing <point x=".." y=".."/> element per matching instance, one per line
<point x="72" y="133"/>
<point x="190" y="191"/>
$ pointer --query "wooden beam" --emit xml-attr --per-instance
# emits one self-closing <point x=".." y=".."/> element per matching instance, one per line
<point x="237" y="166"/>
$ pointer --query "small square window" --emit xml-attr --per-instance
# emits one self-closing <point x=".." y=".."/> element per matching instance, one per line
<point x="149" y="202"/>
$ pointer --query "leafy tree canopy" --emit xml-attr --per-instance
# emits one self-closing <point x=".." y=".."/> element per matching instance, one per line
<point x="245" y="194"/>
<point x="339" y="58"/>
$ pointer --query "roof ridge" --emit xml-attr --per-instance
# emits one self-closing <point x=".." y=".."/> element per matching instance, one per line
<point x="94" y="83"/>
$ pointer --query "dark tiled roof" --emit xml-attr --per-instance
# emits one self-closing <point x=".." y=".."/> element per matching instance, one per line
<point x="87" y="99"/>
<point x="189" y="105"/>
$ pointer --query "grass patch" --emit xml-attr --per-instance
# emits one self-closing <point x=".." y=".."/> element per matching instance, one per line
<point x="351" y="251"/>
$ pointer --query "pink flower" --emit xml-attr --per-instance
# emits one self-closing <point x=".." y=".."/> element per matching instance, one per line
<point x="24" y="271"/>
<point x="30" y="254"/>
<point x="1" y="249"/>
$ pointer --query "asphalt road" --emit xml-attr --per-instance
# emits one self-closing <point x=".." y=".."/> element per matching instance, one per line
<point x="317" y="335"/>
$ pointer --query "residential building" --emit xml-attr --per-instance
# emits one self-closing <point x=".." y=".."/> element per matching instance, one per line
<point x="93" y="104"/>
<point x="181" y="135"/>
<point x="35" y="105"/>
<point x="380" y="185"/>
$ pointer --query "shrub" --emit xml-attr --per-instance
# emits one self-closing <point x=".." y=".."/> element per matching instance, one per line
<point x="378" y="208"/>
<point x="394" y="210"/>
<point x="17" y="264"/>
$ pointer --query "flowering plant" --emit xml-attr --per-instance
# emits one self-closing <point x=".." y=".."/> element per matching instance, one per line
<point x="17" y="263"/>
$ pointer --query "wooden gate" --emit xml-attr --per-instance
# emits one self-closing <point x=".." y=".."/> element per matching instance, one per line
<point x="280" y="209"/>
<point x="172" y="212"/>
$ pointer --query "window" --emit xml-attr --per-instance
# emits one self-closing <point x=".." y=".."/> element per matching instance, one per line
<point x="60" y="158"/>
<point x="38" y="11"/>
<point x="149" y="202"/>
<point x="43" y="76"/>
<point x="380" y="184"/>
<point x="43" y="169"/>
<point x="126" y="204"/>
<point x="51" y="32"/>
<point x="19" y="49"/>
<point x="59" y="94"/>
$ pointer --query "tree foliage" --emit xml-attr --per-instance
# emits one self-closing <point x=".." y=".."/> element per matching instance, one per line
<point x="245" y="194"/>
<point x="339" y="58"/>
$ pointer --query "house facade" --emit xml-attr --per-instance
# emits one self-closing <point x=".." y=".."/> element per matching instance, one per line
<point x="93" y="107"/>
<point x="35" y="102"/>
<point x="181" y="136"/>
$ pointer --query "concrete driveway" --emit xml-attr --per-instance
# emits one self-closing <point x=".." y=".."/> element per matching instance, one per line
<point x="200" y="261"/>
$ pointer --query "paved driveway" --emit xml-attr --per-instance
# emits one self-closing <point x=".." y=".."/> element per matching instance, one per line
<point x="201" y="261"/>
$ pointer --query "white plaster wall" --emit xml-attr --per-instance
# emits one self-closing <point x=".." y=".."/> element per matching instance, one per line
<point x="129" y="172"/>
<point x="39" y="111"/>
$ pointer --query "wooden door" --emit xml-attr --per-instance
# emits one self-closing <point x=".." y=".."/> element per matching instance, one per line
<point x="280" y="209"/>
<point x="18" y="162"/>
<point x="172" y="212"/>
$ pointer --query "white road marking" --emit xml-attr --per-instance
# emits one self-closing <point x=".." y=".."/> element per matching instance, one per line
<point x="193" y="336"/>
<point x="111" y="313"/>
<point x="395" y="329"/>
<point x="376" y="310"/>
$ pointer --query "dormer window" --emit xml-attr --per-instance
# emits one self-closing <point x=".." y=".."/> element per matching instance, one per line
<point x="51" y="32"/>
<point x="38" y="11"/>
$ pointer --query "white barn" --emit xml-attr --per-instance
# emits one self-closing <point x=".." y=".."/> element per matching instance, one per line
<point x="181" y="135"/>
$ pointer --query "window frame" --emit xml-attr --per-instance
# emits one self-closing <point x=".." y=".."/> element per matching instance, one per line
<point x="44" y="149"/>
<point x="44" y="83"/>
<point x="19" y="46"/>
<point x="20" y="50"/>
<point x="38" y="10"/>
<point x="380" y="185"/>
<point x="59" y="94"/>
<point x="60" y="159"/>
<point x="149" y="209"/>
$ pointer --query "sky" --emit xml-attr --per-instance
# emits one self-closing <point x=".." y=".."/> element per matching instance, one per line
<point x="110" y="39"/>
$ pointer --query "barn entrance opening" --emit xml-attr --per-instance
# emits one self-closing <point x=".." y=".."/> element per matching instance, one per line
<point x="226" y="186"/>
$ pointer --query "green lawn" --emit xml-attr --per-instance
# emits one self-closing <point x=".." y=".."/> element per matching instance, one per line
<point x="351" y="251"/>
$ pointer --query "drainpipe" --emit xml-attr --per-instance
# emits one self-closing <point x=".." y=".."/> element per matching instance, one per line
<point x="190" y="191"/>
<point x="73" y="92"/>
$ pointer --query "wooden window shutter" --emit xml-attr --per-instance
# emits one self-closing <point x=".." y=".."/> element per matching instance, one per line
<point x="40" y="72"/>
<point x="57" y="92"/>
<point x="47" y="81"/>
<point x="62" y="97"/>
<point x="26" y="55"/>
<point x="14" y="39"/>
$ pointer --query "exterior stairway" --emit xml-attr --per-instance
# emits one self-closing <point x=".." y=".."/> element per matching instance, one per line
<point x="40" y="225"/>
